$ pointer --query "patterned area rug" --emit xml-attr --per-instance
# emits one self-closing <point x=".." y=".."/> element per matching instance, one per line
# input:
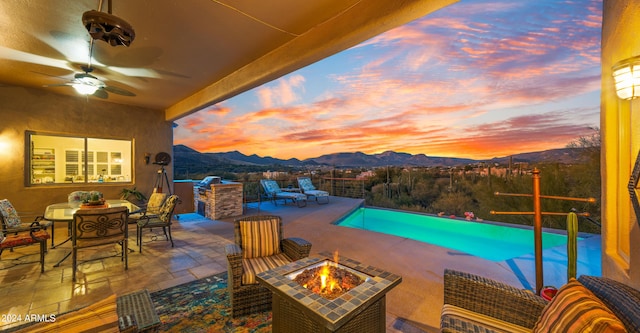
<point x="204" y="306"/>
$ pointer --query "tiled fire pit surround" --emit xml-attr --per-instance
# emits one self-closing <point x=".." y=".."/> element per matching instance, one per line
<point x="296" y="309"/>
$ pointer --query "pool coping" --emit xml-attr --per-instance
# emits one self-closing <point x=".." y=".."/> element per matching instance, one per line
<point x="581" y="234"/>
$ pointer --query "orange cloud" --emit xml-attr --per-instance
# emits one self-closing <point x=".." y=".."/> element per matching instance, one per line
<point x="282" y="94"/>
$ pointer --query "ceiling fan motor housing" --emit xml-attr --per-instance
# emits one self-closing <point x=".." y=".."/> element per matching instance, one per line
<point x="109" y="28"/>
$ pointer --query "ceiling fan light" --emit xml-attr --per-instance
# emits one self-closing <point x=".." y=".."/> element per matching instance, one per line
<point x="84" y="89"/>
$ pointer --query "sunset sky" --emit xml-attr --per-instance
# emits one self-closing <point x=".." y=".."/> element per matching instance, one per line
<point x="478" y="79"/>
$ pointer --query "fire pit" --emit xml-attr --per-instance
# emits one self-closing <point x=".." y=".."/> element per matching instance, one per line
<point x="328" y="279"/>
<point x="358" y="307"/>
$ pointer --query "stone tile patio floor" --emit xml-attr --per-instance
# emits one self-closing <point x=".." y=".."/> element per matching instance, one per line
<point x="413" y="306"/>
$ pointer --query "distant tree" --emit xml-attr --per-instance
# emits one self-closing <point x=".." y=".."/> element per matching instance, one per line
<point x="591" y="142"/>
<point x="586" y="178"/>
<point x="453" y="203"/>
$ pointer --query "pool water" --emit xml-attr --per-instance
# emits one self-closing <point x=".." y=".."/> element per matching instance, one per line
<point x="494" y="242"/>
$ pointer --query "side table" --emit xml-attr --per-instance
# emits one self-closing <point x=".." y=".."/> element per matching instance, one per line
<point x="138" y="306"/>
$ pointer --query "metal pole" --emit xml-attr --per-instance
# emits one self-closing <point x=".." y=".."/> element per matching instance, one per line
<point x="556" y="197"/>
<point x="537" y="230"/>
<point x="537" y="220"/>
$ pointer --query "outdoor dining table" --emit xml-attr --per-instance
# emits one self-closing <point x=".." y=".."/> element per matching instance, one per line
<point x="63" y="212"/>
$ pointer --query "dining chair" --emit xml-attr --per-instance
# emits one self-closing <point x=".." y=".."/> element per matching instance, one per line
<point x="161" y="220"/>
<point x="99" y="227"/>
<point x="151" y="208"/>
<point x="15" y="233"/>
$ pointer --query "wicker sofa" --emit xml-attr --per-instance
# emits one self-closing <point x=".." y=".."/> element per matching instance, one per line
<point x="469" y="300"/>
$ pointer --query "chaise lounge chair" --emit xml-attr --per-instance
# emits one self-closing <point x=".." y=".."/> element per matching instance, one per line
<point x="274" y="192"/>
<point x="306" y="186"/>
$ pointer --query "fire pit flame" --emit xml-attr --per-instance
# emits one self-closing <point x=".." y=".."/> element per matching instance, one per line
<point x="329" y="280"/>
<point x="324" y="274"/>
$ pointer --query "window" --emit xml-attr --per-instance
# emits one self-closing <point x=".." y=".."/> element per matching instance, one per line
<point x="56" y="159"/>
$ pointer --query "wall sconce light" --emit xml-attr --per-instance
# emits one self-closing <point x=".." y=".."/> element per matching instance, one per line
<point x="626" y="74"/>
<point x="4" y="146"/>
<point x="147" y="157"/>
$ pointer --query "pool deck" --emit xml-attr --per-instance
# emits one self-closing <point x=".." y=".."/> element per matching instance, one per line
<point x="417" y="301"/>
<point x="412" y="307"/>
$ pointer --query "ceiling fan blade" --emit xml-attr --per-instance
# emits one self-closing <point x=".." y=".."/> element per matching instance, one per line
<point x="100" y="93"/>
<point x="118" y="91"/>
<point x="57" y="85"/>
<point x="50" y="75"/>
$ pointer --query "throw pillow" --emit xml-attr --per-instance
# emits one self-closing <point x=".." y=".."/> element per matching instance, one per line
<point x="9" y="214"/>
<point x="155" y="202"/>
<point x="621" y="299"/>
<point x="167" y="208"/>
<point x="576" y="309"/>
<point x="260" y="238"/>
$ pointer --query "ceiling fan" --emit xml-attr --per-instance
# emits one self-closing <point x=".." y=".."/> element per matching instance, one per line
<point x="111" y="29"/>
<point x="86" y="84"/>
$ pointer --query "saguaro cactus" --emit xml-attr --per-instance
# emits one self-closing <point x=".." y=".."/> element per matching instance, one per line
<point x="572" y="245"/>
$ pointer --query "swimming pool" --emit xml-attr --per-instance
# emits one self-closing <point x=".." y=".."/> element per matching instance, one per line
<point x="495" y="242"/>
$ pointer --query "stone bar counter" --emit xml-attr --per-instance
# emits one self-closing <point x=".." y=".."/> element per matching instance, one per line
<point x="220" y="201"/>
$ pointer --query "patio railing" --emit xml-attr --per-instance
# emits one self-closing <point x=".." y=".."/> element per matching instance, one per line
<point x="343" y="187"/>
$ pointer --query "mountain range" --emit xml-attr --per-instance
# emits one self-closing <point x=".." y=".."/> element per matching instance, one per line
<point x="185" y="156"/>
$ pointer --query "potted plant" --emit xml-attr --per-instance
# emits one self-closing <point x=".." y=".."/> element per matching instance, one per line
<point x="133" y="195"/>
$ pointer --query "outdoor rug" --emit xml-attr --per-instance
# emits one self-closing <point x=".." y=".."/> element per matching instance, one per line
<point x="204" y="306"/>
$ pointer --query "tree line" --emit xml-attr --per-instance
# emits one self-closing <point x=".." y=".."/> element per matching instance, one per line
<point x="470" y="188"/>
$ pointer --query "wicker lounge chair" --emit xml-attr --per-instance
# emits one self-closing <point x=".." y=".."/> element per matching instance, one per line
<point x="306" y="186"/>
<point x="274" y="192"/>
<point x="259" y="246"/>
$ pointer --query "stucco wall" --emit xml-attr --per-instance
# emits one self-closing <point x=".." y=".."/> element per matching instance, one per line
<point x="23" y="109"/>
<point x="620" y="129"/>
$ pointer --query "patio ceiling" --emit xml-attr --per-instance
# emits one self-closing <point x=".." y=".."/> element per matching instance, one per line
<point x="188" y="54"/>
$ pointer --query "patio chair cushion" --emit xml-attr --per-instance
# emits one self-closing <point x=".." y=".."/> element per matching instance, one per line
<point x="317" y="193"/>
<point x="23" y="238"/>
<point x="166" y="210"/>
<point x="155" y="202"/>
<point x="272" y="187"/>
<point x="252" y="266"/>
<point x="621" y="299"/>
<point x="10" y="215"/>
<point x="260" y="239"/>
<point x="306" y="184"/>
<point x="576" y="309"/>
<point x="152" y="208"/>
<point x="292" y="195"/>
